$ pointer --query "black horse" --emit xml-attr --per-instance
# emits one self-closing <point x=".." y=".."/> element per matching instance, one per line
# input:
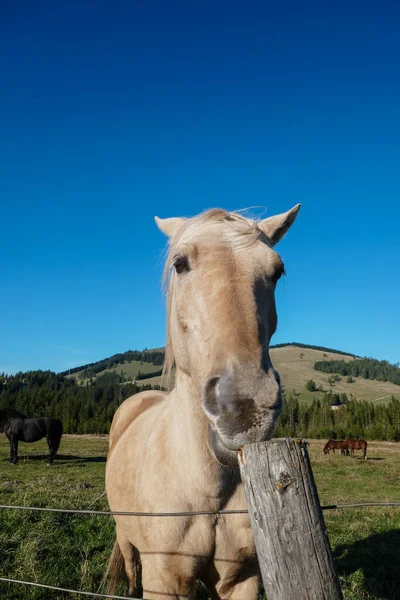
<point x="19" y="428"/>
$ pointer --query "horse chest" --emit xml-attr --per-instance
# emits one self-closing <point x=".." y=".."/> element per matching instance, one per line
<point x="226" y="538"/>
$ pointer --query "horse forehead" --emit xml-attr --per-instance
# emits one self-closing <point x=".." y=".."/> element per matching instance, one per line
<point x="217" y="228"/>
<point x="220" y="238"/>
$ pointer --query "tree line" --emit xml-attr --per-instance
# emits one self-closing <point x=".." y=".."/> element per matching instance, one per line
<point x="368" y="368"/>
<point x="85" y="408"/>
<point x="89" y="408"/>
<point x="351" y="420"/>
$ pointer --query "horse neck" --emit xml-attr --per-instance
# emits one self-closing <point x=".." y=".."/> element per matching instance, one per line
<point x="187" y="396"/>
<point x="192" y="429"/>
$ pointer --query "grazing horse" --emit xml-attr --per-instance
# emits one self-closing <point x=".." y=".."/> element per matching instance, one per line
<point x="351" y="444"/>
<point x="19" y="428"/>
<point x="344" y="448"/>
<point x="177" y="451"/>
<point x="332" y="445"/>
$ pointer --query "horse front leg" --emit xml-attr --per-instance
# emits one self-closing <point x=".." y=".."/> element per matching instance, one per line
<point x="235" y="583"/>
<point x="14" y="451"/>
<point x="247" y="589"/>
<point x="52" y="451"/>
<point x="168" y="577"/>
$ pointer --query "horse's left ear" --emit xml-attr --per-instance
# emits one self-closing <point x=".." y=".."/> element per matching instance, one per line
<point x="169" y="226"/>
<point x="276" y="227"/>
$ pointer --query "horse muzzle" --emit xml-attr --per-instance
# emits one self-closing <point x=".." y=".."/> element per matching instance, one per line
<point x="243" y="404"/>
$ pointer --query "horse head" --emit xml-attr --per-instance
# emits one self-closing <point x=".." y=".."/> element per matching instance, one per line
<point x="6" y="414"/>
<point x="222" y="270"/>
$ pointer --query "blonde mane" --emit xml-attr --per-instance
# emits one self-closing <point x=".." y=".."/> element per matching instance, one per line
<point x="242" y="233"/>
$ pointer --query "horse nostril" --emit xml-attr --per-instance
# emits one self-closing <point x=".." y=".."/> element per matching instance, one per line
<point x="211" y="384"/>
<point x="210" y="396"/>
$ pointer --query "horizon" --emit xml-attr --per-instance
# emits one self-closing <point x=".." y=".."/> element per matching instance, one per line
<point x="162" y="349"/>
<point x="110" y="117"/>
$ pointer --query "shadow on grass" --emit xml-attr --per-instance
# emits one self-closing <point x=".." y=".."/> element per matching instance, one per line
<point x="369" y="459"/>
<point x="62" y="458"/>
<point x="378" y="557"/>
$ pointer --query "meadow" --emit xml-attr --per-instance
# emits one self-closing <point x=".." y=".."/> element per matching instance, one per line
<point x="72" y="550"/>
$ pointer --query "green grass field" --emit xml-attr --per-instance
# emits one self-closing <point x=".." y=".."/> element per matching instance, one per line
<point x="72" y="551"/>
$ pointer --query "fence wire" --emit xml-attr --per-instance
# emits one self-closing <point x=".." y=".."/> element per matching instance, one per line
<point x="127" y="513"/>
<point x="59" y="589"/>
<point x="178" y="514"/>
<point x="145" y="514"/>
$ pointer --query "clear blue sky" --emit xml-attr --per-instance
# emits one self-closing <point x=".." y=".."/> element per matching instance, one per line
<point x="113" y="112"/>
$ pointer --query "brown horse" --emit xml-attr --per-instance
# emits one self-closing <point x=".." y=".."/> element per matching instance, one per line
<point x="178" y="452"/>
<point x="331" y="445"/>
<point x="351" y="444"/>
<point x="344" y="449"/>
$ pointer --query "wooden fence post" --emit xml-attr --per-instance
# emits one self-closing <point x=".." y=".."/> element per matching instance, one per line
<point x="289" y="530"/>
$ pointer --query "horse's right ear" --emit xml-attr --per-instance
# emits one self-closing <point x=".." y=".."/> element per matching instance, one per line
<point x="276" y="227"/>
<point x="169" y="226"/>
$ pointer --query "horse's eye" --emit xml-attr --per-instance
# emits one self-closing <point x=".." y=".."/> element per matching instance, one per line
<point x="181" y="264"/>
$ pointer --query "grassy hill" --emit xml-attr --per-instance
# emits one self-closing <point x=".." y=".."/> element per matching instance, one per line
<point x="128" y="369"/>
<point x="296" y="366"/>
<point x="132" y="369"/>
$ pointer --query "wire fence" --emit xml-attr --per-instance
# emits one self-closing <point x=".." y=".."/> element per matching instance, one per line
<point x="147" y="514"/>
<point x="179" y="514"/>
<point x="127" y="513"/>
<point x="66" y="590"/>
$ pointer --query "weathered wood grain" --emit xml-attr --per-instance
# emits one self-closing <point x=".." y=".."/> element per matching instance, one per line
<point x="289" y="530"/>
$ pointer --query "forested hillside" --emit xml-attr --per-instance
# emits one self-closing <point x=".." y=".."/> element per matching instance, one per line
<point x="295" y="363"/>
<point x="85" y="408"/>
<point x="156" y="358"/>
<point x="326" y="401"/>
<point x="368" y="368"/>
<point x="350" y="419"/>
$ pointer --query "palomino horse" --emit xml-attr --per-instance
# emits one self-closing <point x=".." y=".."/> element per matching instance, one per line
<point x="177" y="452"/>
<point x="332" y="445"/>
<point x="350" y="445"/>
